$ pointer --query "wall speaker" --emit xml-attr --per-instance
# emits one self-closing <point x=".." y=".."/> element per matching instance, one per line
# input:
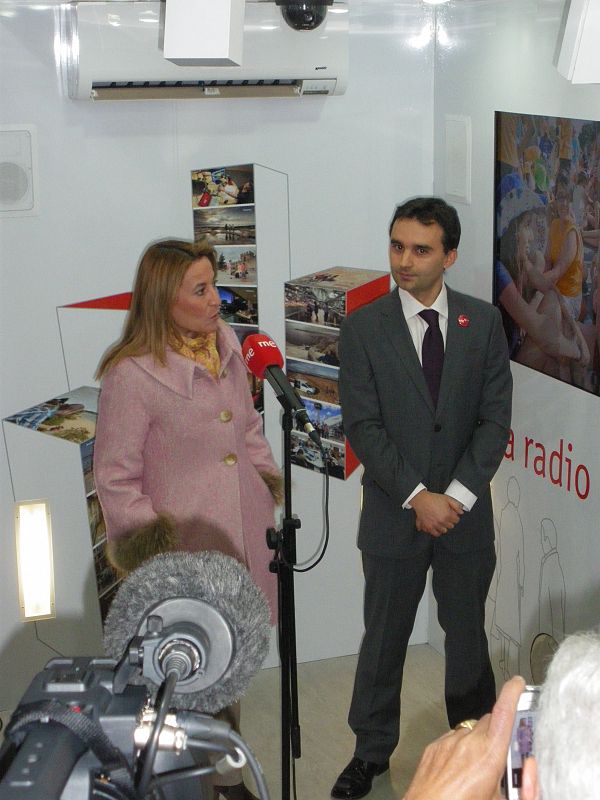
<point x="18" y="170"/>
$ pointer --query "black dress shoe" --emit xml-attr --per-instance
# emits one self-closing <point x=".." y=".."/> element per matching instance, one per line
<point x="356" y="779"/>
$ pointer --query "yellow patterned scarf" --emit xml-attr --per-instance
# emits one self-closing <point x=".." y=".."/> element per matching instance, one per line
<point x="202" y="350"/>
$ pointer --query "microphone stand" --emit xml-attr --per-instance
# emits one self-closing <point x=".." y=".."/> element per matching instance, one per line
<point x="283" y="542"/>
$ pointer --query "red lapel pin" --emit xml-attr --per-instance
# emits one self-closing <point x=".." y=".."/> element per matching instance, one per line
<point x="463" y="321"/>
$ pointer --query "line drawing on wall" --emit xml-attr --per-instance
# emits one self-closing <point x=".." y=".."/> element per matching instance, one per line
<point x="552" y="592"/>
<point x="510" y="581"/>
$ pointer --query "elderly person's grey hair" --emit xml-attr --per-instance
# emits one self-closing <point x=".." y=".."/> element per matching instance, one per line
<point x="567" y="735"/>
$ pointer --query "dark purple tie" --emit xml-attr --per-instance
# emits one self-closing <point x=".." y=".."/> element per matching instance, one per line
<point x="432" y="353"/>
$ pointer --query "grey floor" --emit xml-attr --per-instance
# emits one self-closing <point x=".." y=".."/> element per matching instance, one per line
<point x="324" y="689"/>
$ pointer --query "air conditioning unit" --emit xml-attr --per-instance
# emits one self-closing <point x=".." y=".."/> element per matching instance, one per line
<point x="113" y="51"/>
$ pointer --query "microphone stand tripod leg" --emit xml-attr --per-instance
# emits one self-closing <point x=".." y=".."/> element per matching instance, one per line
<point x="290" y="727"/>
<point x="284" y="544"/>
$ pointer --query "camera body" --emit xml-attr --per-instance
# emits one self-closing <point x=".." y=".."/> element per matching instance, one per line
<point x="521" y="740"/>
<point x="47" y="761"/>
<point x="303" y="15"/>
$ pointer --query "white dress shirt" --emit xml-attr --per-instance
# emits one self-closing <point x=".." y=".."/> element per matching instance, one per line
<point x="418" y="327"/>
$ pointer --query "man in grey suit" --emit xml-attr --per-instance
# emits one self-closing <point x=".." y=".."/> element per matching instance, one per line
<point x="426" y="407"/>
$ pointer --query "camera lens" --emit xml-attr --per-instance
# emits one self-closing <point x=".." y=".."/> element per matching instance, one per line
<point x="304" y="16"/>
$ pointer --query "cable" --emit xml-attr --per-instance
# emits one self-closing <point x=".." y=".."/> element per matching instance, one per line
<point x="253" y="764"/>
<point x="197" y="772"/>
<point x="317" y="556"/>
<point x="190" y="772"/>
<point x="41" y="641"/>
<point x="204" y="745"/>
<point x="321" y="556"/>
<point x="101" y="789"/>
<point x="147" y="757"/>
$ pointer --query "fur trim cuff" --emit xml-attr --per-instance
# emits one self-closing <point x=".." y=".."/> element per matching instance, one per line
<point x="127" y="552"/>
<point x="275" y="485"/>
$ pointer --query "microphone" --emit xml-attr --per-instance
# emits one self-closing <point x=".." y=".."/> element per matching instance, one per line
<point x="199" y="615"/>
<point x="263" y="358"/>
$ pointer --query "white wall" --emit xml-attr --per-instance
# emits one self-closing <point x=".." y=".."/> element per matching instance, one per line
<point x="114" y="176"/>
<point x="490" y="57"/>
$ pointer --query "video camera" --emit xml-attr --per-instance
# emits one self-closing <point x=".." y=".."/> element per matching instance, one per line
<point x="73" y="737"/>
<point x="184" y="629"/>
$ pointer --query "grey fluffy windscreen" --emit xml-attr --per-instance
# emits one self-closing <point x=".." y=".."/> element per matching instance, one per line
<point x="221" y="582"/>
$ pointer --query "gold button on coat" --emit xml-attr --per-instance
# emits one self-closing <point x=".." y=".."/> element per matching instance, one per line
<point x="230" y="459"/>
<point x="226" y="415"/>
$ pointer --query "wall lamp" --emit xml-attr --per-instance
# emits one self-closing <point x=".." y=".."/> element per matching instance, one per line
<point x="33" y="532"/>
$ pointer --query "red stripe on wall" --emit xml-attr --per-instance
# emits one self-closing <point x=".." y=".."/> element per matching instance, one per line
<point x="115" y="302"/>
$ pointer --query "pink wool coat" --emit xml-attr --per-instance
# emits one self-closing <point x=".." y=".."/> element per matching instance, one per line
<point x="173" y="440"/>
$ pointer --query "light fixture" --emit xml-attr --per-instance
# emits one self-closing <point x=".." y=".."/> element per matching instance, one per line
<point x="33" y="533"/>
<point x="420" y="40"/>
<point x="435" y="2"/>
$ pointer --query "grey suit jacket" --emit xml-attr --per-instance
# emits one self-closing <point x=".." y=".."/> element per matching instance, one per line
<point x="403" y="440"/>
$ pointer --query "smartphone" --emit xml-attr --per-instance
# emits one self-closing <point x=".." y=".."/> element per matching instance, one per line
<point x="522" y="741"/>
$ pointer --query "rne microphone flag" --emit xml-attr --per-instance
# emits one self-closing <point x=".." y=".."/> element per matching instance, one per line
<point x="263" y="358"/>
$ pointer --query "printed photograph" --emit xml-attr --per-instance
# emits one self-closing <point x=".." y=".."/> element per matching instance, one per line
<point x="306" y="454"/>
<point x="236" y="264"/>
<point x="239" y="304"/>
<point x="341" y="278"/>
<point x="226" y="225"/>
<point x="314" y="380"/>
<point x="547" y="244"/>
<point x="255" y="384"/>
<point x="241" y="331"/>
<point x="310" y="343"/>
<point x="326" y="419"/>
<point x="87" y="462"/>
<point x="315" y="304"/>
<point x="72" y="416"/>
<point x="223" y="186"/>
<point x="96" y="519"/>
<point x="59" y="417"/>
<point x="88" y="480"/>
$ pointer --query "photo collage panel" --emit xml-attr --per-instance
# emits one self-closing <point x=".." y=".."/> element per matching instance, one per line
<point x="223" y="213"/>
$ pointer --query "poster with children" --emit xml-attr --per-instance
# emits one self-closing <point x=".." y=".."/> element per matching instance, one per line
<point x="547" y="244"/>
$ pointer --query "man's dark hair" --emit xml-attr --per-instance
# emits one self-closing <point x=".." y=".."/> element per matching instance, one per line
<point x="428" y="210"/>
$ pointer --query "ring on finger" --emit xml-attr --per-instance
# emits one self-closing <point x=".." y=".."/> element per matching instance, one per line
<point x="467" y="724"/>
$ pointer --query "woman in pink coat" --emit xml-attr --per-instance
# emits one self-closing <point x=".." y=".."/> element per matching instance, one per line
<point x="180" y="460"/>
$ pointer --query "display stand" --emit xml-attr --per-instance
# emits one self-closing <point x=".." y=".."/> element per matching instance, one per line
<point x="315" y="306"/>
<point x="52" y="460"/>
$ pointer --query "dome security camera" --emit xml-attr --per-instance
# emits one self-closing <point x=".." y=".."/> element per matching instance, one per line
<point x="304" y="16"/>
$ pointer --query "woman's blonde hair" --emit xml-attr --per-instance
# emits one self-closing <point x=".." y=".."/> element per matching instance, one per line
<point x="149" y="324"/>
